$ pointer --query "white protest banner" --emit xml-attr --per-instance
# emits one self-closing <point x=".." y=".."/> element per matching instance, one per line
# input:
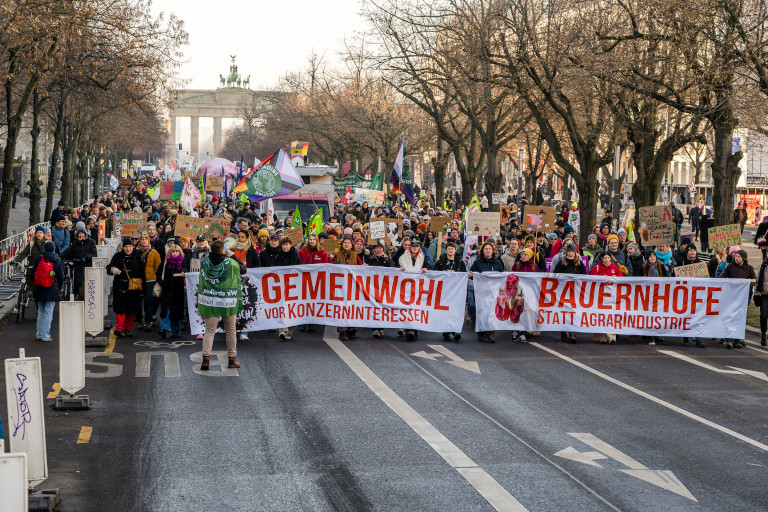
<point x="26" y="414"/>
<point x="372" y="197"/>
<point x="712" y="308"/>
<point x="345" y="296"/>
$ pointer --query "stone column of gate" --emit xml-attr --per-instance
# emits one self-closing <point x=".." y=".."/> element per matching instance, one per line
<point x="194" y="147"/>
<point x="216" y="136"/>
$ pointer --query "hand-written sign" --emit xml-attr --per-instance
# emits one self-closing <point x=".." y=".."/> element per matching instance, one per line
<point x="724" y="236"/>
<point x="483" y="223"/>
<point x="656" y="225"/>
<point x="166" y="190"/>
<point x="213" y="228"/>
<point x="372" y="197"/>
<point x="214" y="183"/>
<point x="499" y="198"/>
<point x="377" y="229"/>
<point x="440" y="223"/>
<point x="539" y="218"/>
<point x="295" y="234"/>
<point x="393" y="233"/>
<point x="331" y="247"/>
<point x="132" y="223"/>
<point x="125" y="182"/>
<point x="693" y="270"/>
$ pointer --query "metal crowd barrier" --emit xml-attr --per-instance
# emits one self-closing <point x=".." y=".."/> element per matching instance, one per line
<point x="11" y="275"/>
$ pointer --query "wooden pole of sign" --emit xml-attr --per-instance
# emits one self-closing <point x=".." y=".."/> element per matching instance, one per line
<point x="439" y="245"/>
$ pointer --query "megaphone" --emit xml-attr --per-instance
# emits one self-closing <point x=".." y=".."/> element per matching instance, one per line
<point x="230" y="242"/>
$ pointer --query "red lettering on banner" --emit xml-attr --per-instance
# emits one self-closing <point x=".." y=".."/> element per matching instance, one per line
<point x="346" y="312"/>
<point x="711" y="301"/>
<point x="694" y="298"/>
<point x="582" y="303"/>
<point x="363" y="286"/>
<point x="548" y="295"/>
<point x="540" y="319"/>
<point x="680" y="304"/>
<point x="336" y="310"/>
<point x="383" y="292"/>
<point x="641" y="297"/>
<point x="438" y="295"/>
<point x="622" y="295"/>
<point x="336" y="286"/>
<point x="603" y="294"/>
<point x="658" y="297"/>
<point x="350" y="279"/>
<point x="376" y="314"/>
<point x="412" y="296"/>
<point x="289" y="285"/>
<point x="268" y="298"/>
<point x="312" y="292"/>
<point x="428" y="292"/>
<point x="291" y="311"/>
<point x="568" y="295"/>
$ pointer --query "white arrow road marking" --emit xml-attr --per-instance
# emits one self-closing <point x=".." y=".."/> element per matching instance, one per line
<point x="427" y="355"/>
<point x="759" y="375"/>
<point x="456" y="360"/>
<point x="698" y="363"/>
<point x="585" y="457"/>
<point x="661" y="478"/>
<point x="733" y="371"/>
<point x="496" y="495"/>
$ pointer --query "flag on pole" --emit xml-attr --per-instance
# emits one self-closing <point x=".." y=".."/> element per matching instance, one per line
<point x="406" y="185"/>
<point x="190" y="196"/>
<point x="348" y="196"/>
<point x="315" y="224"/>
<point x="401" y="179"/>
<point x="296" y="221"/>
<point x="274" y="177"/>
<point x="376" y="183"/>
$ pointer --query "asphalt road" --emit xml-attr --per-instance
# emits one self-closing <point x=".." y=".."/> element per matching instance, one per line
<point x="315" y="424"/>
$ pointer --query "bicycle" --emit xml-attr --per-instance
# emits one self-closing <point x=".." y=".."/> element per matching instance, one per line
<point x="22" y="297"/>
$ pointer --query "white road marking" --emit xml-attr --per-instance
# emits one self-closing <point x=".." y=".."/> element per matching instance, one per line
<point x="659" y="477"/>
<point x="753" y="373"/>
<point x="698" y="363"/>
<point x="572" y="453"/>
<point x="652" y="398"/>
<point x="456" y="360"/>
<point x="427" y="355"/>
<point x="498" y="497"/>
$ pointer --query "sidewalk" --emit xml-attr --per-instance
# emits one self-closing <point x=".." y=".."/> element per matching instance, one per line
<point x="19" y="218"/>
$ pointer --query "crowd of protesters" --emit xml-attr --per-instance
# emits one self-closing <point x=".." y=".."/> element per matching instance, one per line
<point x="149" y="268"/>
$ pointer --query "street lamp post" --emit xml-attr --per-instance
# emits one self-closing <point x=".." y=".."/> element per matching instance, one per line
<point x="520" y="165"/>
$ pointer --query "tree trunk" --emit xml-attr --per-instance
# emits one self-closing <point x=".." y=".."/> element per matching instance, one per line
<point x="493" y="177"/>
<point x="97" y="175"/>
<point x="725" y="165"/>
<point x="54" y="166"/>
<point x="439" y="166"/>
<point x="34" y="177"/>
<point x="66" y="168"/>
<point x="587" y="188"/>
<point x="6" y="196"/>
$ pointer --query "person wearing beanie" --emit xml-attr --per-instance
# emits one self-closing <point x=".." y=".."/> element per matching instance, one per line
<point x="573" y="218"/>
<point x="81" y="252"/>
<point x="591" y="249"/>
<point x="126" y="302"/>
<point x="635" y="258"/>
<point x="263" y="240"/>
<point x="568" y="235"/>
<point x="525" y="263"/>
<point x="618" y="257"/>
<point x="571" y="263"/>
<point x="738" y="268"/>
<point x="46" y="297"/>
<point x="622" y="235"/>
<point x="602" y="234"/>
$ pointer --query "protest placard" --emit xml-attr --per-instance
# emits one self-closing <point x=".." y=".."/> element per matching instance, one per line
<point x="166" y="190"/>
<point x="132" y="223"/>
<point x="331" y="247"/>
<point x="214" y="183"/>
<point x="656" y="225"/>
<point x="693" y="270"/>
<point x="295" y="234"/>
<point x="724" y="236"/>
<point x="125" y="182"/>
<point x="539" y="218"/>
<point x="499" y="198"/>
<point x="377" y="229"/>
<point x="483" y="223"/>
<point x="393" y="233"/>
<point x="440" y="223"/>
<point x="213" y="228"/>
<point x="372" y="197"/>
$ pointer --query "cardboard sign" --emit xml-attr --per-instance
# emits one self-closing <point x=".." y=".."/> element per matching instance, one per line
<point x="656" y="225"/>
<point x="439" y="224"/>
<point x="393" y="233"/>
<point x="295" y="234"/>
<point x="499" y="198"/>
<point x="214" y="183"/>
<point x="132" y="223"/>
<point x="213" y="228"/>
<point x="724" y="236"/>
<point x="483" y="223"/>
<point x="372" y="197"/>
<point x="125" y="182"/>
<point x="166" y="190"/>
<point x="539" y="218"/>
<point x="377" y="229"/>
<point x="331" y="247"/>
<point x="693" y="270"/>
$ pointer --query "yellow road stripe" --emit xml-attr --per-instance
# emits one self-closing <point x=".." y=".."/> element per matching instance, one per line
<point x="85" y="435"/>
<point x="56" y="389"/>
<point x="112" y="339"/>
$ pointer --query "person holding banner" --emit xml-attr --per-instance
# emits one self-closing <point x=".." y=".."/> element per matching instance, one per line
<point x="347" y="256"/>
<point x="285" y="258"/>
<point x="127" y="288"/>
<point x="450" y="262"/>
<point x="739" y="268"/>
<point x="605" y="266"/>
<point x="571" y="263"/>
<point x="220" y="295"/>
<point x="487" y="261"/>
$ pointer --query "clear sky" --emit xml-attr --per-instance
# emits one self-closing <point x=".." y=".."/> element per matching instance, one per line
<point x="269" y="38"/>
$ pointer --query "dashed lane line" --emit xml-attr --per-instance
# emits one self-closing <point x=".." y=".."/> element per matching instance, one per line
<point x="111" y="342"/>
<point x="56" y="390"/>
<point x="85" y="435"/>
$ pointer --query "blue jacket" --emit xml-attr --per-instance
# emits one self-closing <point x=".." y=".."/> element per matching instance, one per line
<point x="60" y="238"/>
<point x="484" y="265"/>
<point x="52" y="293"/>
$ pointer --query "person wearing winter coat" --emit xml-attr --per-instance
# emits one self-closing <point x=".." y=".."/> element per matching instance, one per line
<point x="761" y="236"/>
<point x="60" y="235"/>
<point x="525" y="263"/>
<point x="35" y="248"/>
<point x="450" y="262"/>
<point x="487" y="261"/>
<point x="47" y="297"/>
<point x="664" y="254"/>
<point x="347" y="256"/>
<point x="379" y="257"/>
<point x="196" y="254"/>
<point x="618" y="257"/>
<point x="512" y="253"/>
<point x="413" y="259"/>
<point x="761" y="290"/>
<point x="571" y="263"/>
<point x="170" y="276"/>
<point x="635" y="259"/>
<point x="602" y="235"/>
<point x="285" y="258"/>
<point x="720" y="255"/>
<point x="605" y="266"/>
<point x="312" y="253"/>
<point x="126" y="303"/>
<point x="739" y="268"/>
<point x="268" y="255"/>
<point x="81" y="251"/>
<point x="591" y="249"/>
<point x="244" y="251"/>
<point x="152" y="261"/>
<point x="537" y="258"/>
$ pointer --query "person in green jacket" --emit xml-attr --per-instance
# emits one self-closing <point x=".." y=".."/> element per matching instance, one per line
<point x="220" y="294"/>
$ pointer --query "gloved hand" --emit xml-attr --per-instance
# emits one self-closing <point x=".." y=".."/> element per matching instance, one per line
<point x="116" y="271"/>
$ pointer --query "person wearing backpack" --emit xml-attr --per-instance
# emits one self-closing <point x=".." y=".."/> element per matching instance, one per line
<point x="48" y="272"/>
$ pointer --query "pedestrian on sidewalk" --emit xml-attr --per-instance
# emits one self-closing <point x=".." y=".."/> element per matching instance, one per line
<point x="739" y="268"/>
<point x="48" y="272"/>
<point x="220" y="295"/>
<point x="127" y="294"/>
<point x="761" y="299"/>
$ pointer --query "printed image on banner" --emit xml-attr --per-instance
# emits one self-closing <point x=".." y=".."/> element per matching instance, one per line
<point x="656" y="225"/>
<point x="345" y="296"/>
<point x="643" y="306"/>
<point x="724" y="236"/>
<point x="372" y="197"/>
